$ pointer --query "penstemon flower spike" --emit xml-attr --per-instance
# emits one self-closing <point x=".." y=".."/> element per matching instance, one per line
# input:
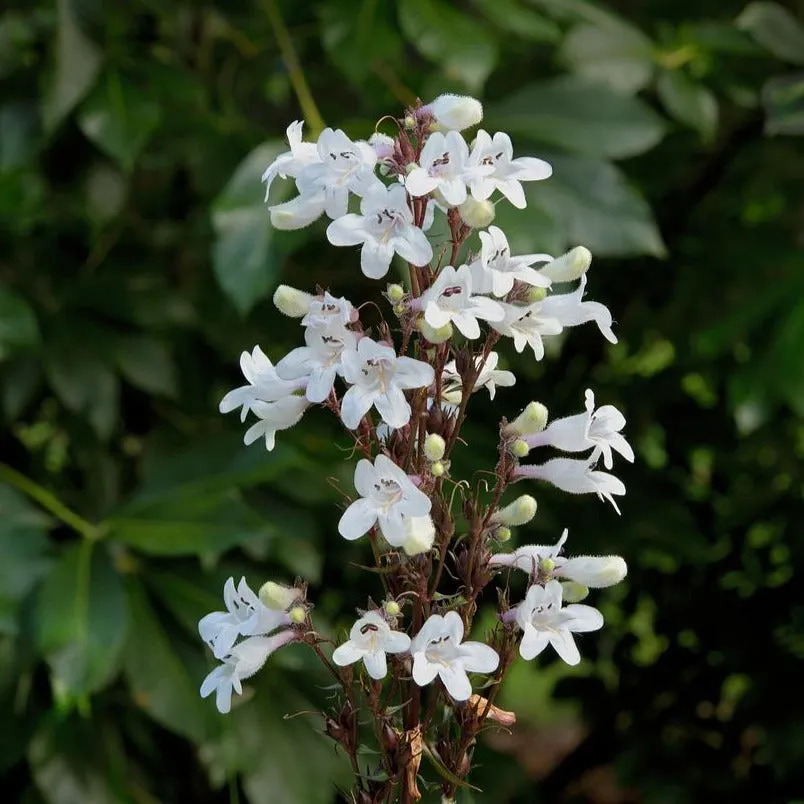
<point x="407" y="669"/>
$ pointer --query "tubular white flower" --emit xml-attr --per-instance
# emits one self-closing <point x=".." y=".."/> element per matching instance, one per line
<point x="489" y="378"/>
<point x="343" y="166"/>
<point x="378" y="378"/>
<point x="532" y="420"/>
<point x="506" y="172"/>
<point x="383" y="146"/>
<point x="273" y="417"/>
<point x="245" y="615"/>
<point x="456" y="112"/>
<point x="598" y="430"/>
<point x="386" y="493"/>
<point x="449" y="300"/>
<point x="496" y="270"/>
<point x="570" y="266"/>
<point x="526" y="325"/>
<point x="327" y="310"/>
<point x="576" y="477"/>
<point x="277" y="596"/>
<point x="370" y="639"/>
<point x="442" y="163"/>
<point x="518" y="512"/>
<point x="292" y="162"/>
<point x="384" y="227"/>
<point x="571" y="311"/>
<point x="241" y="663"/>
<point x="437" y="651"/>
<point x="545" y="622"/>
<point x="299" y="212"/>
<point x="292" y="302"/>
<point x="530" y="557"/>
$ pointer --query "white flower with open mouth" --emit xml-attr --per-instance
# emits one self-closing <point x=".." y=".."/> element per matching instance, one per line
<point x="571" y="311"/>
<point x="545" y="622"/>
<point x="490" y="378"/>
<point x="245" y="615"/>
<point x="441" y="167"/>
<point x="378" y="377"/>
<point x="497" y="270"/>
<point x="292" y="162"/>
<point x="386" y="493"/>
<point x="449" y="300"/>
<point x="526" y="325"/>
<point x="506" y="172"/>
<point x="273" y="417"/>
<point x="384" y="227"/>
<point x="437" y="650"/>
<point x="242" y="662"/>
<point x="576" y="477"/>
<point x="598" y="430"/>
<point x="370" y="639"/>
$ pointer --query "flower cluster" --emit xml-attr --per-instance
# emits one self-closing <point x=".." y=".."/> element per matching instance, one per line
<point x="402" y="391"/>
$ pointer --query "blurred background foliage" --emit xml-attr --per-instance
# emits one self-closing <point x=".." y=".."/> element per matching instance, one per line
<point x="136" y="262"/>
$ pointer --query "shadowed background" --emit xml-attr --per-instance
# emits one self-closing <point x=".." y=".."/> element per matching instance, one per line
<point x="136" y="263"/>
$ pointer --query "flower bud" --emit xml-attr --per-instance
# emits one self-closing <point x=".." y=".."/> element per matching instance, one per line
<point x="382" y="144"/>
<point x="433" y="335"/>
<point x="532" y="420"/>
<point x="570" y="266"/>
<point x="395" y="293"/>
<point x="519" y="512"/>
<point x="409" y="122"/>
<point x="437" y="469"/>
<point x="477" y="214"/>
<point x="519" y="448"/>
<point x="434" y="447"/>
<point x="502" y="534"/>
<point x="456" y="112"/>
<point x="596" y="572"/>
<point x="292" y="302"/>
<point x="391" y="608"/>
<point x="420" y="535"/>
<point x="298" y="614"/>
<point x="547" y="564"/>
<point x="399" y="309"/>
<point x="573" y="592"/>
<point x="278" y="597"/>
<point x="536" y="295"/>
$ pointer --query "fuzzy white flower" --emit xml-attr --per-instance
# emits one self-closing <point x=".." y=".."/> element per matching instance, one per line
<point x="378" y="377"/>
<point x="438" y="650"/>
<point x="384" y="227"/>
<point x="526" y="325"/>
<point x="242" y="662"/>
<point x="386" y="493"/>
<point x="245" y="615"/>
<point x="507" y="173"/>
<point x="490" y="378"/>
<point x="497" y="270"/>
<point x="449" y="300"/>
<point x="571" y="311"/>
<point x="292" y="162"/>
<point x="544" y="621"/>
<point x="576" y="477"/>
<point x="370" y="639"/>
<point x="441" y="167"/>
<point x="273" y="417"/>
<point x="598" y="430"/>
<point x="455" y="112"/>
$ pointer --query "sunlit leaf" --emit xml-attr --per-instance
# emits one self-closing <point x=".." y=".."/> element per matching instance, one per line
<point x="776" y="29"/>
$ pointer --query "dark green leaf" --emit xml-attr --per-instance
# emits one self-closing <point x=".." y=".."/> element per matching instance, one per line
<point x="513" y="17"/>
<point x="689" y="102"/>
<point x="119" y="118"/>
<point x="783" y="99"/>
<point x="776" y="29"/>
<point x="460" y="44"/>
<point x="81" y="618"/>
<point x="18" y="325"/>
<point x="579" y="115"/>
<point x="146" y="363"/>
<point x="18" y="135"/>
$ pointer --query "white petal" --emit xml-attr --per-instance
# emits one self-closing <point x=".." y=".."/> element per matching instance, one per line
<point x="419" y="182"/>
<point x="365" y="477"/>
<point x="414" y="246"/>
<point x="456" y="681"/>
<point x="584" y="618"/>
<point x="467" y="325"/>
<point x="355" y="404"/>
<point x="423" y="671"/>
<point x="375" y="259"/>
<point x="397" y="642"/>
<point x="479" y="658"/>
<point x="393" y="407"/>
<point x="346" y="654"/>
<point x="533" y="643"/>
<point x="223" y="698"/>
<point x="375" y="664"/>
<point x="214" y="680"/>
<point x="565" y="647"/>
<point x="347" y="231"/>
<point x="357" y="519"/>
<point x="453" y="626"/>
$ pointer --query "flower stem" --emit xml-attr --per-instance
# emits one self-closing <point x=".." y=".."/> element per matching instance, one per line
<point x="48" y="501"/>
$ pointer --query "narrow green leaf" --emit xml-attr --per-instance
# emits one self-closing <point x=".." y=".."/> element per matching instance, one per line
<point x="776" y="29"/>
<point x="689" y="102"/>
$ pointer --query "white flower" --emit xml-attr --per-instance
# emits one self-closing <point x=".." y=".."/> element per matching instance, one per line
<point x="545" y="622"/>
<point x="496" y="270"/>
<point x="370" y="639"/>
<point x="386" y="493"/>
<point x="384" y="226"/>
<point x="570" y="266"/>
<point x="383" y="146"/>
<point x="449" y="300"/>
<point x="420" y="534"/>
<point x="598" y="430"/>
<point x="378" y="377"/>
<point x="343" y="166"/>
<point x="526" y="325"/>
<point x="595" y="572"/>
<point x="273" y="417"/>
<point x="490" y="377"/>
<point x="325" y="311"/>
<point x="264" y="384"/>
<point x="441" y="168"/>
<point x="292" y="162"/>
<point x="245" y="615"/>
<point x="299" y="212"/>
<point x="320" y="360"/>
<point x="507" y="173"/>
<point x="437" y="651"/>
<point x="570" y="311"/>
<point x="241" y="663"/>
<point x="576" y="477"/>
<point x="455" y="112"/>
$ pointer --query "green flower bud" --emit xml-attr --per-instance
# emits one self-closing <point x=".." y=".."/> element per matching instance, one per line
<point x="437" y="469"/>
<point x="392" y="608"/>
<point x="519" y="448"/>
<point x="292" y="302"/>
<point x="477" y="214"/>
<point x="532" y="420"/>
<point x="570" y="266"/>
<point x="440" y="335"/>
<point x="519" y="512"/>
<point x="298" y="614"/>
<point x="536" y="295"/>
<point x="278" y="597"/>
<point x="573" y="592"/>
<point x="395" y="292"/>
<point x="503" y="534"/>
<point x="434" y="447"/>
